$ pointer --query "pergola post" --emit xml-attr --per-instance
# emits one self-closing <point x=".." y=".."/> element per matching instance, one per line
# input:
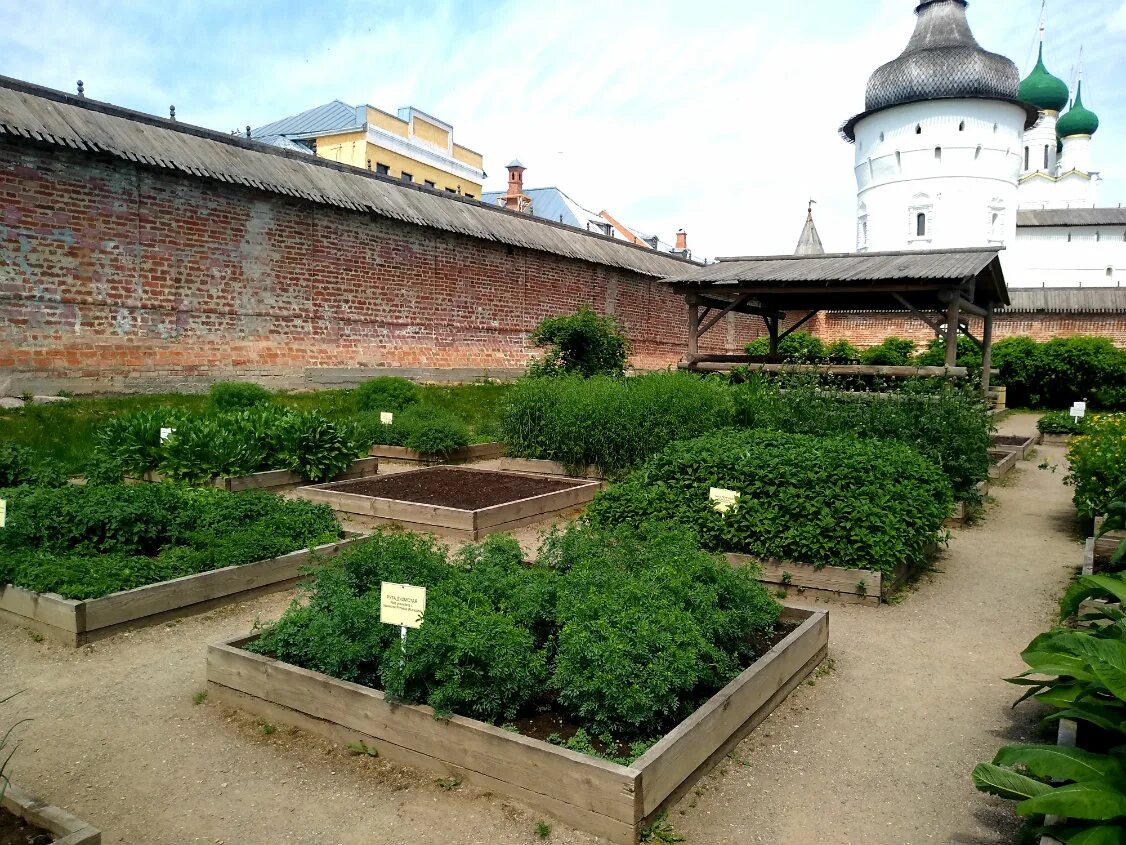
<point x="693" y="327"/>
<point x="986" y="350"/>
<point x="772" y="327"/>
<point x="952" y="317"/>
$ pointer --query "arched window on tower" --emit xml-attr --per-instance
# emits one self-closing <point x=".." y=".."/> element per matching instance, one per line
<point x="938" y="154"/>
<point x="1026" y="158"/>
<point x="920" y="225"/>
<point x="1045" y="157"/>
<point x="962" y="126"/>
<point x="918" y="129"/>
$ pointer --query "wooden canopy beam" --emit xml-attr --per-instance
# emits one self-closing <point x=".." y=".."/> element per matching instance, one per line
<point x="735" y="303"/>
<point x="935" y="325"/>
<point x="797" y="325"/>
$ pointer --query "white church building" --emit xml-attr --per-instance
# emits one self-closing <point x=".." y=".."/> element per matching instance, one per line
<point x="953" y="150"/>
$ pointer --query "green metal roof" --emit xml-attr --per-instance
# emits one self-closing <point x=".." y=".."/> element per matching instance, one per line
<point x="1043" y="90"/>
<point x="1079" y="120"/>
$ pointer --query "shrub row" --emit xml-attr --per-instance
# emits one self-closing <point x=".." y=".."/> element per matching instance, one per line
<point x="625" y="634"/>
<point x="614" y="424"/>
<point x="1098" y="463"/>
<point x="1061" y="371"/>
<point x="947" y="425"/>
<point x="85" y="542"/>
<point x="859" y="504"/>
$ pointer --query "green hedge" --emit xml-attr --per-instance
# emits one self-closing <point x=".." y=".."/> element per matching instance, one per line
<point x="1061" y="371"/>
<point x="583" y="343"/>
<point x="85" y="542"/>
<point x="858" y="504"/>
<point x="947" y="425"/>
<point x="614" y="424"/>
<point x="625" y="634"/>
<point x="1097" y="459"/>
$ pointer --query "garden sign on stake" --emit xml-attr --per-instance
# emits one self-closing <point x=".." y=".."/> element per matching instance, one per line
<point x="722" y="499"/>
<point x="402" y="605"/>
<point x="1078" y="411"/>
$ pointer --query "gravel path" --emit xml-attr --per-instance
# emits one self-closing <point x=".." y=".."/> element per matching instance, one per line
<point x="878" y="750"/>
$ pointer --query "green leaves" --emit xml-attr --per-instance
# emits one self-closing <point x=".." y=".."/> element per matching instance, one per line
<point x="1086" y="587"/>
<point x="583" y="343"/>
<point x="1058" y="762"/>
<point x="1006" y="783"/>
<point x="1099" y="800"/>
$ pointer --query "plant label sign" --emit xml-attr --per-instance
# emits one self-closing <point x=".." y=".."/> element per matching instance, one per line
<point x="386" y="417"/>
<point x="723" y="500"/>
<point x="3" y="512"/>
<point x="1079" y="410"/>
<point x="401" y="604"/>
<point x="165" y="433"/>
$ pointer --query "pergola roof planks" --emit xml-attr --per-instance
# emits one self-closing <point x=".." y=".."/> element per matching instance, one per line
<point x="937" y="286"/>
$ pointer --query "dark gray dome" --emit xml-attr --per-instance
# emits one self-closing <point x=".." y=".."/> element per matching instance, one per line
<point x="942" y="60"/>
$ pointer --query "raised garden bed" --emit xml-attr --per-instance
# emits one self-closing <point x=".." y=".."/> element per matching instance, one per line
<point x="467" y="454"/>
<point x="278" y="479"/>
<point x="603" y="798"/>
<point x="535" y="466"/>
<point x="456" y="501"/>
<point x="856" y="586"/>
<point x="1018" y="443"/>
<point x="1001" y="463"/>
<point x="76" y="622"/>
<point x="1056" y="439"/>
<point x="64" y="828"/>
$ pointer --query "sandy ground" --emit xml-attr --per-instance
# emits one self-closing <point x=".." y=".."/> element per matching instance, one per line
<point x="878" y="750"/>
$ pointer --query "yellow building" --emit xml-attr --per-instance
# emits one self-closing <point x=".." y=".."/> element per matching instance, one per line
<point x="411" y="146"/>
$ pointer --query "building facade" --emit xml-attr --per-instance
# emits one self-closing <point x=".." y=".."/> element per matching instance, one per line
<point x="412" y="145"/>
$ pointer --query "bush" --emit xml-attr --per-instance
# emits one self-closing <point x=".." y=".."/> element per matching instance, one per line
<point x="893" y="352"/>
<point x="1098" y="463"/>
<point x="316" y="449"/>
<point x="385" y="393"/>
<point x="583" y="343"/>
<point x="20" y="466"/>
<point x="614" y="424"/>
<point x="625" y="633"/>
<point x="842" y="352"/>
<point x="131" y="442"/>
<point x="434" y="432"/>
<point x="1059" y="422"/>
<point x="232" y="395"/>
<point x="948" y="425"/>
<point x="934" y="355"/>
<point x="857" y="504"/>
<point x="1061" y="371"/>
<point x="86" y="542"/>
<point x="799" y="347"/>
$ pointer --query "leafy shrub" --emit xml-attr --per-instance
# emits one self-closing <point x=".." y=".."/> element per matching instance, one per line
<point x="801" y="347"/>
<point x="625" y="632"/>
<point x="1098" y="463"/>
<point x="583" y="343"/>
<point x="232" y="395"/>
<point x="842" y="352"/>
<point x="434" y="432"/>
<point x="1061" y="371"/>
<point x="206" y="446"/>
<point x="948" y="425"/>
<point x="84" y="542"/>
<point x="934" y="355"/>
<point x="893" y="352"/>
<point x="1059" y="422"/>
<point x="19" y="466"/>
<point x="132" y="441"/>
<point x="315" y="448"/>
<point x="857" y="504"/>
<point x="385" y="393"/>
<point x="612" y="423"/>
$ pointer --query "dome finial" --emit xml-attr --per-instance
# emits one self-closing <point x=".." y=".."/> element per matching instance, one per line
<point x="1042" y="89"/>
<point x="1079" y="119"/>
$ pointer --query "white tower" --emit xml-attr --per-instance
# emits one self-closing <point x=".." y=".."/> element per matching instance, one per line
<point x="939" y="146"/>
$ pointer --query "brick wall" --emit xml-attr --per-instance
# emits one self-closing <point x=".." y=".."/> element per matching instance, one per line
<point x="119" y="277"/>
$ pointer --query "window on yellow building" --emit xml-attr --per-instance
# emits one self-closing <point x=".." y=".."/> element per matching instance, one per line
<point x="430" y="184"/>
<point x="382" y="169"/>
<point x="406" y="177"/>
<point x="470" y="196"/>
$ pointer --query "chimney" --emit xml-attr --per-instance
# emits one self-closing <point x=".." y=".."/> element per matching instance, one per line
<point x="681" y="241"/>
<point x="515" y="178"/>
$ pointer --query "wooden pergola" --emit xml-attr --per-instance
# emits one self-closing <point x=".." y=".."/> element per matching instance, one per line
<point x="939" y="287"/>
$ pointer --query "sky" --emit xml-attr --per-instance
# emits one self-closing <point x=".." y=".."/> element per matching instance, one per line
<point x="717" y="117"/>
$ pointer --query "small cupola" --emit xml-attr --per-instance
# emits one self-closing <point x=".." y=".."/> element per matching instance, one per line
<point x="1046" y="92"/>
<point x="1079" y="119"/>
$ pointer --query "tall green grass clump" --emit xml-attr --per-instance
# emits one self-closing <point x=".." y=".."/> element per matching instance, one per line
<point x="385" y="393"/>
<point x="614" y="424"/>
<point x="232" y="395"/>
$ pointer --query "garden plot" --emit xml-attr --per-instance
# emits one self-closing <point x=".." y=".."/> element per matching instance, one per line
<point x="604" y="798"/>
<point x="1019" y="443"/>
<point x="859" y="586"/>
<point x="462" y="455"/>
<point x="1001" y="463"/>
<point x="457" y="501"/>
<point x="63" y="828"/>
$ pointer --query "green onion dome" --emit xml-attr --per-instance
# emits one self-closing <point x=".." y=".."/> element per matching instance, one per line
<point x="1046" y="92"/>
<point x="1079" y="120"/>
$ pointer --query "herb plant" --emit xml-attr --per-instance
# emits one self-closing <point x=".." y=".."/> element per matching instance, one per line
<point x="385" y="393"/>
<point x="584" y="344"/>
<point x="232" y="395"/>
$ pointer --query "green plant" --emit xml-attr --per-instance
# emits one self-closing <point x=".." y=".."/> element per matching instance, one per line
<point x="268" y="729"/>
<point x="794" y="490"/>
<point x="385" y="393"/>
<point x="660" y="830"/>
<point x="448" y="784"/>
<point x="19" y="466"/>
<point x="1059" y="422"/>
<point x="1097" y="458"/>
<point x="232" y="395"/>
<point x="1062" y="370"/>
<point x="583" y="343"/>
<point x="934" y="355"/>
<point x="798" y="347"/>
<point x="434" y="432"/>
<point x="132" y="441"/>
<point x="315" y="448"/>
<point x="5" y="744"/>
<point x="360" y="747"/>
<point x="543" y="830"/>
<point x="199" y="697"/>
<point x="893" y="351"/>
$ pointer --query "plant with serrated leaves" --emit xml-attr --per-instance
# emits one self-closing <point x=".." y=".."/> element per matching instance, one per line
<point x="19" y="465"/>
<point x="315" y="448"/>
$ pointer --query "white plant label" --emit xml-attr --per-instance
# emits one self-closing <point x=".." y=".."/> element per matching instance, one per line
<point x="3" y="512"/>
<point x="165" y="433"/>
<point x="1079" y="410"/>
<point x="723" y="500"/>
<point x="386" y="417"/>
<point x="401" y="604"/>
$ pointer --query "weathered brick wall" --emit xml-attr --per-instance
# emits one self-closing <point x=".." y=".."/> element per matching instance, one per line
<point x="865" y="330"/>
<point x="120" y="277"/>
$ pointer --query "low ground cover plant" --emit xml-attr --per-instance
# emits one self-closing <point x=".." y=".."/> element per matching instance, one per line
<point x="385" y="393"/>
<point x="623" y="634"/>
<point x="1058" y="372"/>
<point x="19" y="466"/>
<point x="1059" y="422"/>
<point x="584" y="344"/>
<point x="87" y="541"/>
<point x="947" y="425"/>
<point x="839" y="501"/>
<point x="614" y="424"/>
<point x="1097" y="458"/>
<point x="231" y="395"/>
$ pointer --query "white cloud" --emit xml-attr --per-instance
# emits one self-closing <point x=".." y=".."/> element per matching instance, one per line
<point x="1117" y="22"/>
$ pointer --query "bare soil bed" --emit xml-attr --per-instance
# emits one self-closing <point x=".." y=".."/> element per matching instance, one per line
<point x="17" y="831"/>
<point x="465" y="489"/>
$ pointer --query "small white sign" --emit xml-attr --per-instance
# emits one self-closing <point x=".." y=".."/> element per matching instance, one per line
<point x="165" y="433"/>
<point x="1079" y="410"/>
<point x="386" y="417"/>
<point x="401" y="604"/>
<point x="3" y="512"/>
<point x="723" y="500"/>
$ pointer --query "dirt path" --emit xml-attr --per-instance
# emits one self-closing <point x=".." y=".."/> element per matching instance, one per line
<point x="878" y="751"/>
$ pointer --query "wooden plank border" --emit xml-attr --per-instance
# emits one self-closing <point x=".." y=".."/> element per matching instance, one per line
<point x="76" y="623"/>
<point x="1023" y="448"/>
<point x="540" y="467"/>
<point x="455" y="522"/>
<point x="1004" y="466"/>
<point x="1056" y="439"/>
<point x="66" y="828"/>
<point x="284" y="479"/>
<point x="468" y="454"/>
<point x="828" y="582"/>
<point x="600" y="797"/>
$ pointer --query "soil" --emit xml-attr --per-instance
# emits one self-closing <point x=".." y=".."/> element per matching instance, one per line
<point x="878" y="749"/>
<point x="464" y="489"/>
<point x="1010" y="439"/>
<point x="17" y="831"/>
